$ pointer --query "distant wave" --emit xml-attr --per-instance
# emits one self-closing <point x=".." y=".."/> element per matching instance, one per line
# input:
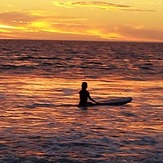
<point x="36" y="105"/>
<point x="11" y="67"/>
<point x="49" y="105"/>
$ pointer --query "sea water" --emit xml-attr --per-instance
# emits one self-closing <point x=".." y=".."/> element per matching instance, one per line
<point x="39" y="86"/>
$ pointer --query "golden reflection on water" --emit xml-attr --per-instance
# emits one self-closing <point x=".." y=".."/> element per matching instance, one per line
<point x="59" y="87"/>
<point x="30" y="110"/>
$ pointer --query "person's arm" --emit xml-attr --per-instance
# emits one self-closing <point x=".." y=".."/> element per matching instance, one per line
<point x="92" y="99"/>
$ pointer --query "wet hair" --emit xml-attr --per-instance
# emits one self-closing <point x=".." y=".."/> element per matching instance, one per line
<point x="84" y="85"/>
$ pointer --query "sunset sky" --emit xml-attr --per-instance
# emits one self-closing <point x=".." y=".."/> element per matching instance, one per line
<point x="119" y="20"/>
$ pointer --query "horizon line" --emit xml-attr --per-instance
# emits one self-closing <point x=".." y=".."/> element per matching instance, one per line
<point x="77" y="40"/>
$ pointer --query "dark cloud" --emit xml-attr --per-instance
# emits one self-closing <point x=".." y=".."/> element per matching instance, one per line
<point x="100" y="5"/>
<point x="138" y="10"/>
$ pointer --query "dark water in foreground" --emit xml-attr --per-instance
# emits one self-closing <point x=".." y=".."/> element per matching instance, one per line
<point x="38" y="81"/>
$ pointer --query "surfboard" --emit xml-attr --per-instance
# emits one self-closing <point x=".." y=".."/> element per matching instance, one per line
<point x="113" y="102"/>
<point x="116" y="101"/>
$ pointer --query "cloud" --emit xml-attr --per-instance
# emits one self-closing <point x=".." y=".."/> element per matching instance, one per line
<point x="38" y="22"/>
<point x="138" y="33"/>
<point x="133" y="33"/>
<point x="99" y="4"/>
<point x="36" y="18"/>
<point x="17" y="17"/>
<point x="38" y="25"/>
<point x="137" y="10"/>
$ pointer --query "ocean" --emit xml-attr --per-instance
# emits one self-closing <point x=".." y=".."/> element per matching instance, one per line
<point x="39" y="90"/>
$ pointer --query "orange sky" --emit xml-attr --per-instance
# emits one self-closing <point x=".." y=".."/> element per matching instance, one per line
<point x="119" y="20"/>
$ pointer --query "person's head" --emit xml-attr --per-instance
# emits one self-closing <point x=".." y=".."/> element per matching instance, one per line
<point x="84" y="85"/>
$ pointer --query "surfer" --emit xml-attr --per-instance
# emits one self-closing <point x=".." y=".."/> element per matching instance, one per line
<point x="84" y="96"/>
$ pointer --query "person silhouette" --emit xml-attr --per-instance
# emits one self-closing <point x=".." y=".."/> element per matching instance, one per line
<point x="84" y="96"/>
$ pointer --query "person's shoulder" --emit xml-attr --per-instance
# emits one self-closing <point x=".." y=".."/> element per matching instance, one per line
<point x="83" y="91"/>
<point x="87" y="92"/>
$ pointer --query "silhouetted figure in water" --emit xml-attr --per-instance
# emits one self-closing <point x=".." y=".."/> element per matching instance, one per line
<point x="84" y="96"/>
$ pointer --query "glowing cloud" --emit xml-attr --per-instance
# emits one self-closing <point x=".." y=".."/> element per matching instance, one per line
<point x="82" y="20"/>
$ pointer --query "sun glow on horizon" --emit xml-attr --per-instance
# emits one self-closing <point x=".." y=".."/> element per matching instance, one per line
<point x="82" y="20"/>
